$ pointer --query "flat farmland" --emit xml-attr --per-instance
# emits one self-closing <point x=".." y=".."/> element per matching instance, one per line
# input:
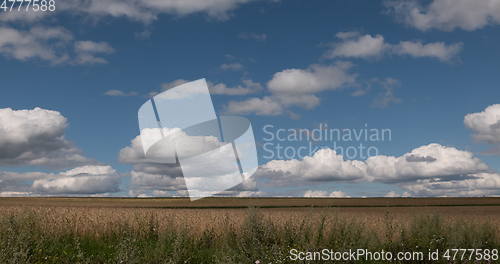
<point x="236" y="230"/>
<point x="247" y="202"/>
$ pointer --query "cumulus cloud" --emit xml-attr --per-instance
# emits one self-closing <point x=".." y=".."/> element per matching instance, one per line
<point x="29" y="16"/>
<point x="249" y="194"/>
<point x="316" y="78"/>
<point x="355" y="45"/>
<point x="87" y="52"/>
<point x="485" y="124"/>
<point x="160" y="145"/>
<point x="393" y="194"/>
<point x="156" y="184"/>
<point x="36" y="137"/>
<point x="435" y="169"/>
<point x="300" y="87"/>
<point x="324" y="165"/>
<point x="246" y="87"/>
<point x="259" y="106"/>
<point x="447" y="15"/>
<point x="272" y="105"/>
<point x="430" y="161"/>
<point x="153" y="180"/>
<point x="144" y="11"/>
<point x="478" y="184"/>
<point x="52" y="44"/>
<point x="84" y="180"/>
<point x="150" y="177"/>
<point x="81" y="180"/>
<point x="324" y="194"/>
<point x="438" y="50"/>
<point x="36" y="43"/>
<point x="56" y="45"/>
<point x="18" y="184"/>
<point x="14" y="194"/>
<point x="296" y="88"/>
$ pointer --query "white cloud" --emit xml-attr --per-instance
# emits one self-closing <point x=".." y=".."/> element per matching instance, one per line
<point x="150" y="178"/>
<point x="347" y="35"/>
<point x="305" y="101"/>
<point x="296" y="88"/>
<point x="321" y="194"/>
<point x="36" y="137"/>
<point x="339" y="194"/>
<point x="324" y="165"/>
<point x="90" y="170"/>
<point x="438" y="50"/>
<point x="25" y="16"/>
<point x="430" y="161"/>
<point x="87" y="51"/>
<point x="134" y="153"/>
<point x="36" y="43"/>
<point x="393" y="194"/>
<point x="428" y="170"/>
<point x="53" y="44"/>
<point x="447" y="15"/>
<point x="355" y="45"/>
<point x="250" y="194"/>
<point x="479" y="184"/>
<point x="149" y="10"/>
<point x="56" y="45"/>
<point x="161" y="180"/>
<point x="316" y="78"/>
<point x="145" y="11"/>
<point x="485" y="124"/>
<point x="81" y="180"/>
<point x="17" y="182"/>
<point x="246" y="189"/>
<point x="14" y="194"/>
<point x="300" y="87"/>
<point x="271" y="105"/>
<point x="156" y="183"/>
<point x="162" y="150"/>
<point x="259" y="106"/>
<point x="93" y="47"/>
<point x="85" y="180"/>
<point x="246" y="87"/>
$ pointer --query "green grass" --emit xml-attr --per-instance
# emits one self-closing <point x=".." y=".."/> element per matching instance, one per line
<point x="24" y="240"/>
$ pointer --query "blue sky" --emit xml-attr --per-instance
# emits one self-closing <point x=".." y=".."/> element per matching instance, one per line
<point x="433" y="89"/>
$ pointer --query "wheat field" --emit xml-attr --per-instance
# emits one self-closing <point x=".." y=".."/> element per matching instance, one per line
<point x="230" y="230"/>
